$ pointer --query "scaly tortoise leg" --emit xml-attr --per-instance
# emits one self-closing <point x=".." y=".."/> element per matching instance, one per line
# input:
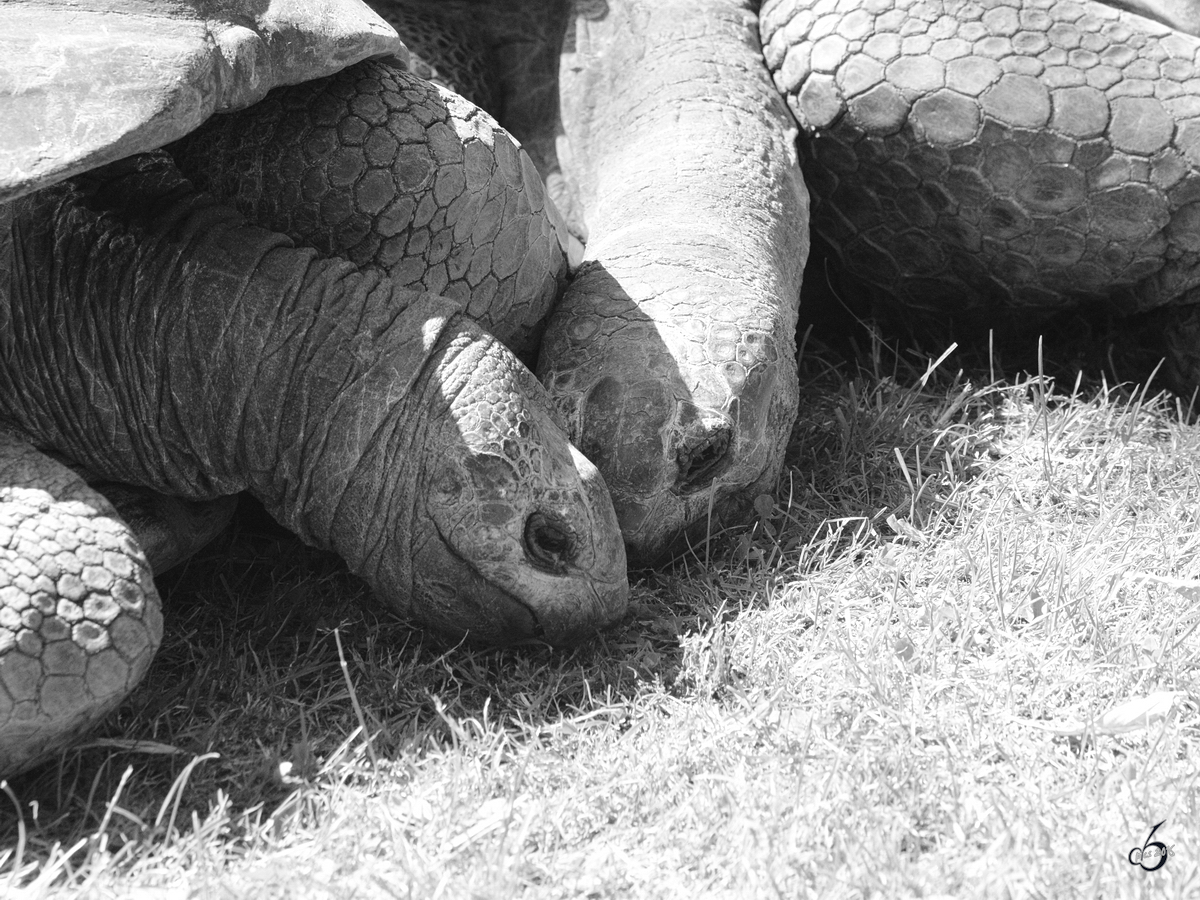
<point x="170" y="530"/>
<point x="80" y="619"/>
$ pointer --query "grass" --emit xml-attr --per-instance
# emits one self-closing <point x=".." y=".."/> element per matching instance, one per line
<point x="894" y="685"/>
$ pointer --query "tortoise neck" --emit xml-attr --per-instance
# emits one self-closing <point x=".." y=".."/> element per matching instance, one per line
<point x="157" y="339"/>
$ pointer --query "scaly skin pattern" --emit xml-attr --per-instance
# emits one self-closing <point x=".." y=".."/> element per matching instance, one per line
<point x="445" y="45"/>
<point x="983" y="161"/>
<point x="380" y="167"/>
<point x="84" y="84"/>
<point x="502" y="55"/>
<point x="169" y="530"/>
<point x="663" y="142"/>
<point x="153" y="337"/>
<point x="79" y="617"/>
<point x="672" y="352"/>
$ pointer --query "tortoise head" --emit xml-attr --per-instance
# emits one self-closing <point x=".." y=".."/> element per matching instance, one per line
<point x="515" y="536"/>
<point x="688" y="423"/>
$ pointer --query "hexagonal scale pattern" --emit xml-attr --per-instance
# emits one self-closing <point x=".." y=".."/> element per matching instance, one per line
<point x="380" y="167"/>
<point x="996" y="160"/>
<point x="79" y="616"/>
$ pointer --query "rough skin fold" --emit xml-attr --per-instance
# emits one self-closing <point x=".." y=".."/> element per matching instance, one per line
<point x="152" y="336"/>
<point x="667" y="149"/>
<point x="379" y="167"/>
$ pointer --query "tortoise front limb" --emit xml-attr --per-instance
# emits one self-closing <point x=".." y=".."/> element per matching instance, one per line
<point x="79" y="616"/>
<point x="169" y="530"/>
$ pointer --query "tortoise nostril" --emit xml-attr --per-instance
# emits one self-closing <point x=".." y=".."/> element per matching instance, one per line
<point x="701" y="458"/>
<point x="549" y="543"/>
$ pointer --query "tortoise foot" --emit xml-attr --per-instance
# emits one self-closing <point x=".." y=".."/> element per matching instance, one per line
<point x="79" y="616"/>
<point x="169" y="530"/>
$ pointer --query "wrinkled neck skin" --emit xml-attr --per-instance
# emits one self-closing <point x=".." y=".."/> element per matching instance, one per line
<point x="130" y="356"/>
<point x="150" y="335"/>
<point x="672" y="355"/>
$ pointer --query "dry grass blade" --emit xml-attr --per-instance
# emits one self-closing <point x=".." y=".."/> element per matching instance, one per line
<point x="13" y="859"/>
<point x="362" y="720"/>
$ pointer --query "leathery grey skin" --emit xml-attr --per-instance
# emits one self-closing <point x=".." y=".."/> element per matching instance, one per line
<point x="671" y="354"/>
<point x="155" y="338"/>
<point x="376" y="165"/>
<point x="85" y="84"/>
<point x="981" y="162"/>
<point x="169" y="530"/>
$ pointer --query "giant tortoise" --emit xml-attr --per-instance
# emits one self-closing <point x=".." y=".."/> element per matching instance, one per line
<point x="149" y="335"/>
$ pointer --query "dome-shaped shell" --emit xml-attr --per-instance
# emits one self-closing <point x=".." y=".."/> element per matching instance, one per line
<point x="86" y="82"/>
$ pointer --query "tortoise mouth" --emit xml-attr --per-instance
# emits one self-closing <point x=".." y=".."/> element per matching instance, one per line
<point x="464" y="601"/>
<point x="536" y="631"/>
<point x="662" y="527"/>
<point x="701" y="460"/>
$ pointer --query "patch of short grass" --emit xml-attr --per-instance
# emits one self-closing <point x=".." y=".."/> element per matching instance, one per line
<point x="864" y="695"/>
